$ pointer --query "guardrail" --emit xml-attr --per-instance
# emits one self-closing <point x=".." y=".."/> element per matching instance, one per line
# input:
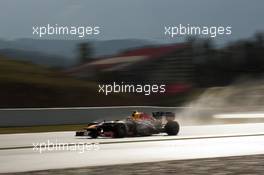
<point x="71" y="115"/>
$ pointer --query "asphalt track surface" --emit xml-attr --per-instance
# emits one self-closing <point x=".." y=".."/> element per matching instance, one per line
<point x="18" y="152"/>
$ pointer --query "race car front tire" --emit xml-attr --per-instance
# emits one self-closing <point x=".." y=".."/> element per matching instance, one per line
<point x="172" y="128"/>
<point x="93" y="133"/>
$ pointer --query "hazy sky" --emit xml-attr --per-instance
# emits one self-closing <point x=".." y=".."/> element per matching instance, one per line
<point x="141" y="19"/>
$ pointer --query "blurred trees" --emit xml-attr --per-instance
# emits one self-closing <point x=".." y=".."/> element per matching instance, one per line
<point x="221" y="66"/>
<point x="85" y="52"/>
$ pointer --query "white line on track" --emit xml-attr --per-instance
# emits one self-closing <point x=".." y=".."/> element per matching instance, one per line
<point x="240" y="116"/>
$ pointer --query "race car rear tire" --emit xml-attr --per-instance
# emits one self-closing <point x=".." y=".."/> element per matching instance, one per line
<point x="172" y="128"/>
<point x="120" y="131"/>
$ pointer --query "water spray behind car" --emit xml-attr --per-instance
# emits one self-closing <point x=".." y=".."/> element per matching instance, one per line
<point x="243" y="96"/>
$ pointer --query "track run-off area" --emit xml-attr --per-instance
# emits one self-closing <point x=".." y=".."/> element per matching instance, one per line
<point x="58" y="150"/>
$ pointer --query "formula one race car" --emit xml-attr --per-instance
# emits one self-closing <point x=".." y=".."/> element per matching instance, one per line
<point x="138" y="124"/>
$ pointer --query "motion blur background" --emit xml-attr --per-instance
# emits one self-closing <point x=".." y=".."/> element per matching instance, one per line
<point x="51" y="84"/>
<point x="59" y="71"/>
